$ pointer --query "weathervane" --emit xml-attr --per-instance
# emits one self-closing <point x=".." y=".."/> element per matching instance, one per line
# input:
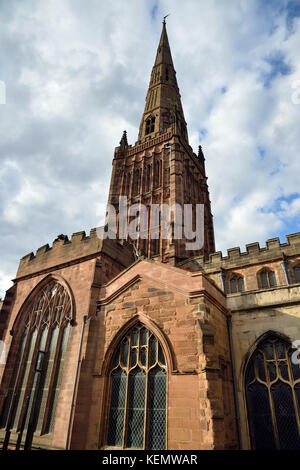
<point x="164" y="21"/>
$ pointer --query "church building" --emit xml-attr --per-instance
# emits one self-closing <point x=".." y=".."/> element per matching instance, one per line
<point x="143" y="344"/>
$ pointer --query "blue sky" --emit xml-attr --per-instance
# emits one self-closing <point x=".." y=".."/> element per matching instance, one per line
<point x="76" y="75"/>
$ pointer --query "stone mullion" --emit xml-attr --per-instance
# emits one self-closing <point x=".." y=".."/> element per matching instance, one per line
<point x="125" y="424"/>
<point x="146" y="395"/>
<point x="16" y="391"/>
<point x="272" y="407"/>
<point x="40" y="328"/>
<point x="53" y="372"/>
<point x="31" y="374"/>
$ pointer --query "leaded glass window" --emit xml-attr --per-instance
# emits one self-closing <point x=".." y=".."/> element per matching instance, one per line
<point x="272" y="384"/>
<point x="138" y="393"/>
<point x="267" y="279"/>
<point x="236" y="284"/>
<point x="44" y="330"/>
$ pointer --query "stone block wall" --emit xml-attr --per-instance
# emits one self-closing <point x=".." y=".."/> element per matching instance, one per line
<point x="84" y="264"/>
<point x="193" y="332"/>
<point x="253" y="315"/>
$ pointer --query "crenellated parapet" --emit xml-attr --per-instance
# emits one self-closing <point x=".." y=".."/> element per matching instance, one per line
<point x="64" y="251"/>
<point x="254" y="254"/>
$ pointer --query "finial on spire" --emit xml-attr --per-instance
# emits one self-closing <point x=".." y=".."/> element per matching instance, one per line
<point x="201" y="155"/>
<point x="164" y="20"/>
<point x="123" y="141"/>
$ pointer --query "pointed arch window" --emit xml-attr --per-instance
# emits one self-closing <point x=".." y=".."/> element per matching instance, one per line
<point x="236" y="284"/>
<point x="150" y="125"/>
<point x="138" y="393"/>
<point x="267" y="279"/>
<point x="297" y="273"/>
<point x="44" y="330"/>
<point x="272" y="386"/>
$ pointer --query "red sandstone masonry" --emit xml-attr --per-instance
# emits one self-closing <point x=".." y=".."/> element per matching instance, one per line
<point x="195" y="402"/>
<point x="84" y="264"/>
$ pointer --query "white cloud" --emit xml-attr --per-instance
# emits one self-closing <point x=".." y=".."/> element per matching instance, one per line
<point x="77" y="73"/>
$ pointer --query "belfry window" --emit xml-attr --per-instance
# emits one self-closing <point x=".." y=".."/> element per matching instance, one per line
<point x="150" y="125"/>
<point x="272" y="386"/>
<point x="167" y="74"/>
<point x="44" y="330"/>
<point x="267" y="279"/>
<point x="138" y="393"/>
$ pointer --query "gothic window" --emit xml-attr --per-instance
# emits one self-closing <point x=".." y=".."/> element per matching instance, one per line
<point x="236" y="284"/>
<point x="138" y="393"/>
<point x="297" y="273"/>
<point x="150" y="125"/>
<point x="43" y="333"/>
<point x="267" y="279"/>
<point x="272" y="386"/>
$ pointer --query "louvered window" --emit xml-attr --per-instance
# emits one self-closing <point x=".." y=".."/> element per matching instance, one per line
<point x="150" y="125"/>
<point x="45" y="331"/>
<point x="272" y="383"/>
<point x="138" y="391"/>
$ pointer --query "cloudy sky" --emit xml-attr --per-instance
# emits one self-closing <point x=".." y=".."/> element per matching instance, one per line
<point x="76" y="74"/>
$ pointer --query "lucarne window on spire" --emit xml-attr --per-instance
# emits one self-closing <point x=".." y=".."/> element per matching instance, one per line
<point x="150" y="124"/>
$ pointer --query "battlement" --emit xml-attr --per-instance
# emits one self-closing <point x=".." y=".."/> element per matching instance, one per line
<point x="151" y="141"/>
<point x="80" y="246"/>
<point x="254" y="254"/>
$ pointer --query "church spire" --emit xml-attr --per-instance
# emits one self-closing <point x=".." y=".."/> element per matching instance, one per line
<point x="163" y="107"/>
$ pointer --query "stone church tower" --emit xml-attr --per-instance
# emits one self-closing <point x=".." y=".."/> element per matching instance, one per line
<point x="161" y="168"/>
<point x="118" y="344"/>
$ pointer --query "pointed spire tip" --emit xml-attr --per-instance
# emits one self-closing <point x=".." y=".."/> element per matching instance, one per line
<point x="164" y="20"/>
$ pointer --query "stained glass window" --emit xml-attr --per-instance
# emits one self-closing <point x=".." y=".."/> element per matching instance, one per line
<point x="272" y="384"/>
<point x="45" y="330"/>
<point x="138" y="393"/>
